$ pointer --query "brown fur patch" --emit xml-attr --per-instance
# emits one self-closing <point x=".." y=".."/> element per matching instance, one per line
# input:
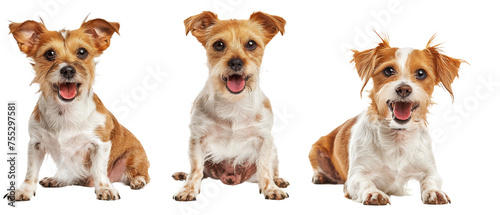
<point x="333" y="147"/>
<point x="267" y="105"/>
<point x="36" y="113"/>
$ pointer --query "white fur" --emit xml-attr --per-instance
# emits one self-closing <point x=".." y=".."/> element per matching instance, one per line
<point x="224" y="130"/>
<point x="384" y="155"/>
<point x="66" y="131"/>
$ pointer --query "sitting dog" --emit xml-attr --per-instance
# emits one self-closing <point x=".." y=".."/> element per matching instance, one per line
<point x="378" y="151"/>
<point x="70" y="122"/>
<point x="231" y="119"/>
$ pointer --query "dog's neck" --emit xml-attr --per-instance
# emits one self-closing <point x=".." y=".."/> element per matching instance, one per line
<point x="55" y="113"/>
<point x="222" y="108"/>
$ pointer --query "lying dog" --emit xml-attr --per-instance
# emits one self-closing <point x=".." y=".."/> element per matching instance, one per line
<point x="378" y="151"/>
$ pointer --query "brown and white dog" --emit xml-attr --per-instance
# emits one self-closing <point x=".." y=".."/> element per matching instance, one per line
<point x="70" y="122"/>
<point x="231" y="119"/>
<point x="375" y="153"/>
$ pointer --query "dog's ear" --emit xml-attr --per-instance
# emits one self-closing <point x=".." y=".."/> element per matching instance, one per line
<point x="446" y="68"/>
<point x="366" y="61"/>
<point x="100" y="32"/>
<point x="270" y="23"/>
<point x="27" y="35"/>
<point x="198" y="24"/>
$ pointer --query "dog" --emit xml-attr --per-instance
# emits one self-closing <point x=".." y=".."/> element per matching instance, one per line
<point x="375" y="153"/>
<point x="69" y="121"/>
<point x="231" y="119"/>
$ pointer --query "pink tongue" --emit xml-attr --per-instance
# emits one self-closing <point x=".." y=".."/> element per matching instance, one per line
<point x="235" y="83"/>
<point x="402" y="110"/>
<point x="67" y="90"/>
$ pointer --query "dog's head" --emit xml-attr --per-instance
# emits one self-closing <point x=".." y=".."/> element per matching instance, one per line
<point x="234" y="48"/>
<point x="404" y="79"/>
<point x="64" y="60"/>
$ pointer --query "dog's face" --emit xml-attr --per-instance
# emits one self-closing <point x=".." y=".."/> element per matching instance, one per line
<point x="403" y="80"/>
<point x="64" y="60"/>
<point x="234" y="49"/>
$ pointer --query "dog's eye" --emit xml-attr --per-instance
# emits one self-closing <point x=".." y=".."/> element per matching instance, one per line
<point x="251" y="45"/>
<point x="421" y="74"/>
<point x="389" y="71"/>
<point x="50" y="55"/>
<point x="219" y="46"/>
<point x="82" y="53"/>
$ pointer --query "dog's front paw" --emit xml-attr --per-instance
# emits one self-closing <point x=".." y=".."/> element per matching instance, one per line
<point x="186" y="194"/>
<point x="107" y="193"/>
<point x="275" y="194"/>
<point x="376" y="198"/>
<point x="435" y="197"/>
<point x="24" y="194"/>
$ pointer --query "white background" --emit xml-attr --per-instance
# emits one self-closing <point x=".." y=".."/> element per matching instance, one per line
<point x="152" y="72"/>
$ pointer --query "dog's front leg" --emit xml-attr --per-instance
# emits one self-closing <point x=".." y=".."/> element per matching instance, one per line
<point x="192" y="185"/>
<point x="361" y="188"/>
<point x="430" y="186"/>
<point x="265" y="171"/>
<point x="103" y="188"/>
<point x="36" y="154"/>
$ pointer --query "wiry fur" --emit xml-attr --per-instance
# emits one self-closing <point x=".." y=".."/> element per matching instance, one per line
<point x="227" y="127"/>
<point x="83" y="138"/>
<point x="374" y="154"/>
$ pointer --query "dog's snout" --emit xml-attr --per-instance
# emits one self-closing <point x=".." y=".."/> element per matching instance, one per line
<point x="403" y="90"/>
<point x="235" y="64"/>
<point x="68" y="72"/>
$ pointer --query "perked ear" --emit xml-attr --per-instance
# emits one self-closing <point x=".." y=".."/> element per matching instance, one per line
<point x="198" y="24"/>
<point x="366" y="61"/>
<point x="270" y="23"/>
<point x="100" y="31"/>
<point x="446" y="67"/>
<point x="27" y="35"/>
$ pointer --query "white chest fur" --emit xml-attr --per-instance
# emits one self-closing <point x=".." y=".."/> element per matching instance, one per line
<point x="388" y="157"/>
<point x="231" y="131"/>
<point x="67" y="133"/>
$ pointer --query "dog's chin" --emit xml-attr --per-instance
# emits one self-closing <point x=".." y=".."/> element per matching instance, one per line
<point x="402" y="110"/>
<point x="66" y="91"/>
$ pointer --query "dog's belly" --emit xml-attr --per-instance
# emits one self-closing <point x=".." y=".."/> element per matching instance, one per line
<point x="239" y="146"/>
<point x="228" y="172"/>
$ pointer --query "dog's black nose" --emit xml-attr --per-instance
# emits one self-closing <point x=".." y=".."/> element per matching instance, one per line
<point x="403" y="90"/>
<point x="68" y="72"/>
<point x="235" y="64"/>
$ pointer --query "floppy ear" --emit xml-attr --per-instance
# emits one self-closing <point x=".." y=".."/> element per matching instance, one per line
<point x="446" y="67"/>
<point x="366" y="61"/>
<point x="270" y="23"/>
<point x="198" y="25"/>
<point x="27" y="35"/>
<point x="100" y="32"/>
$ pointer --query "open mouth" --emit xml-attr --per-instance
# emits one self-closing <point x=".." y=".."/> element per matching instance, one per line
<point x="236" y="83"/>
<point x="67" y="90"/>
<point x="401" y="111"/>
